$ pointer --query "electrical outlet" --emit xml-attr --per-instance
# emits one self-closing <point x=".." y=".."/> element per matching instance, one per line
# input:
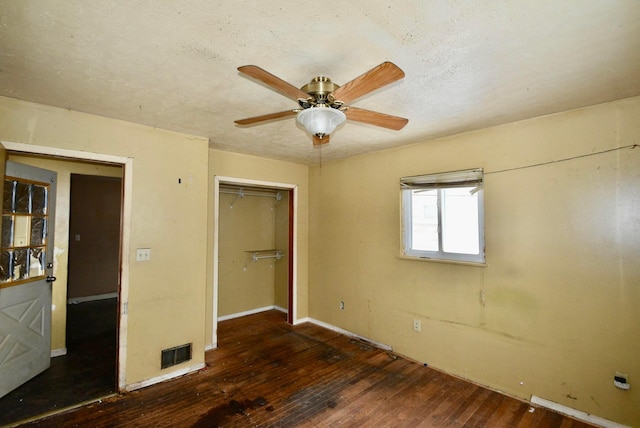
<point x="341" y="305"/>
<point x="623" y="377"/>
<point x="417" y="326"/>
<point x="621" y="380"/>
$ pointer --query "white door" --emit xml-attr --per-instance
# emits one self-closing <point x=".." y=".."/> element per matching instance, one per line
<point x="26" y="268"/>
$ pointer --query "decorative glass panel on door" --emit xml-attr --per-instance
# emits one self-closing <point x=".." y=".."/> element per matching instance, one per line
<point x="24" y="231"/>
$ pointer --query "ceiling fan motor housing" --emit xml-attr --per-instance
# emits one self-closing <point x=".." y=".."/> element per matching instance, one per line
<point x="319" y="88"/>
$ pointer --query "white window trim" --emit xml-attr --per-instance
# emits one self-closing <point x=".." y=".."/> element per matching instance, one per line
<point x="437" y="181"/>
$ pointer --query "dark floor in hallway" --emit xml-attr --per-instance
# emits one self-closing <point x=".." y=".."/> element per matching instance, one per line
<point x="88" y="371"/>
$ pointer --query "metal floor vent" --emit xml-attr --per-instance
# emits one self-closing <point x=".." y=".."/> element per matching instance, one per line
<point x="172" y="356"/>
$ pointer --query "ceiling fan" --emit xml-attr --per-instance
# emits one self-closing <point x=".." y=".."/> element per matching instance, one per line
<point x="322" y="103"/>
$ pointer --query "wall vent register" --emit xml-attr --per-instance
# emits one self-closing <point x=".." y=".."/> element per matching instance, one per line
<point x="172" y="356"/>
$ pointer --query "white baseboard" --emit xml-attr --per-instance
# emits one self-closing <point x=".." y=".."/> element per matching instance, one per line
<point x="577" y="414"/>
<point x="76" y="300"/>
<point x="158" y="379"/>
<point x="58" y="352"/>
<point x="303" y="320"/>
<point x="345" y="332"/>
<point x="242" y="314"/>
<point x="251" y="312"/>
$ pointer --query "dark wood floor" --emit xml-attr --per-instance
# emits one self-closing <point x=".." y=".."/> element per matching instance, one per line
<point x="267" y="373"/>
<point x="88" y="371"/>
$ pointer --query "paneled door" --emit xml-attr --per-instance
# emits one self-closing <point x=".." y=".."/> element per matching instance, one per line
<point x="26" y="269"/>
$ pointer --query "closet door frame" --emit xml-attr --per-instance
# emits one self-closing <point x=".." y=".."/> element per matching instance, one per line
<point x="292" y="189"/>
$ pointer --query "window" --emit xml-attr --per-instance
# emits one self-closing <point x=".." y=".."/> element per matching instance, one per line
<point x="443" y="216"/>
<point x="24" y="231"/>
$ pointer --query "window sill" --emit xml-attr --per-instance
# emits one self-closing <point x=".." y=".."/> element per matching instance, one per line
<point x="453" y="262"/>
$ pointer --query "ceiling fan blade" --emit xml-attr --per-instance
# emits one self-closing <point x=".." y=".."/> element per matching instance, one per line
<point x="374" y="118"/>
<point x="377" y="77"/>
<point x="317" y="141"/>
<point x="265" y="117"/>
<point x="285" y="88"/>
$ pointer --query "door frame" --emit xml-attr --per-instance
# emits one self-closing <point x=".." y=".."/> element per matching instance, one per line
<point x="292" y="314"/>
<point x="125" y="233"/>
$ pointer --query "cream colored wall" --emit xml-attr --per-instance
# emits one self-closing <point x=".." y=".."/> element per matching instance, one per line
<point x="64" y="170"/>
<point x="281" y="292"/>
<point x="246" y="224"/>
<point x="555" y="311"/>
<point x="246" y="167"/>
<point x="166" y="294"/>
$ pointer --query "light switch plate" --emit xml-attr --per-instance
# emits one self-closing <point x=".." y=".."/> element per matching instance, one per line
<point x="143" y="254"/>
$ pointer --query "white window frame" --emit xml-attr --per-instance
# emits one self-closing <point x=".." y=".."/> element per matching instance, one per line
<point x="466" y="178"/>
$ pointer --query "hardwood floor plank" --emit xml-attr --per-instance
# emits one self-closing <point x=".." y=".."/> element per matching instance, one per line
<point x="455" y="394"/>
<point x="267" y="373"/>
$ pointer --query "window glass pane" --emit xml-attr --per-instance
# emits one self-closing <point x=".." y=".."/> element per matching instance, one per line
<point x="36" y="262"/>
<point x="21" y="230"/>
<point x="39" y="199"/>
<point x="7" y="197"/>
<point x="21" y="264"/>
<point x="38" y="230"/>
<point x="6" y="272"/>
<point x="460" y="221"/>
<point x="7" y="231"/>
<point x="23" y="198"/>
<point x="424" y="221"/>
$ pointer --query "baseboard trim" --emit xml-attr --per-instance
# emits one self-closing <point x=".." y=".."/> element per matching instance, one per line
<point x="168" y="376"/>
<point x="58" y="352"/>
<point x="577" y="414"/>
<point x="301" y="321"/>
<point x="251" y="312"/>
<point x="345" y="332"/>
<point x="83" y="299"/>
<point x="242" y="314"/>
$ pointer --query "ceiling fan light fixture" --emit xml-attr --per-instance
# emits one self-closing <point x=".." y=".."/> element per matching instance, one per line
<point x="320" y="120"/>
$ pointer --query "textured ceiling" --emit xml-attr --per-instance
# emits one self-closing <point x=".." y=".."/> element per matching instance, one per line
<point x="173" y="64"/>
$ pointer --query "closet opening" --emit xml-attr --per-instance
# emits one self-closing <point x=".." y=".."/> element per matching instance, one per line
<point x="254" y="249"/>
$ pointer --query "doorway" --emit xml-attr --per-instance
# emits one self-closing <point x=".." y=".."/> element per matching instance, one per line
<point x="246" y="259"/>
<point x="108" y="303"/>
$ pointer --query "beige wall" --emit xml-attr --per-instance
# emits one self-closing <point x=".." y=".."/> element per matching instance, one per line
<point x="252" y="223"/>
<point x="64" y="169"/>
<point x="165" y="294"/>
<point x="281" y="292"/>
<point x="247" y="223"/>
<point x="555" y="311"/>
<point x="253" y="168"/>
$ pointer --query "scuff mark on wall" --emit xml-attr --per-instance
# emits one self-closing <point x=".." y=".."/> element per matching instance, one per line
<point x="480" y="327"/>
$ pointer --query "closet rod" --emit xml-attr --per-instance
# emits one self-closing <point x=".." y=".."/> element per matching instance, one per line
<point x="266" y="254"/>
<point x="242" y="193"/>
<point x="255" y="258"/>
